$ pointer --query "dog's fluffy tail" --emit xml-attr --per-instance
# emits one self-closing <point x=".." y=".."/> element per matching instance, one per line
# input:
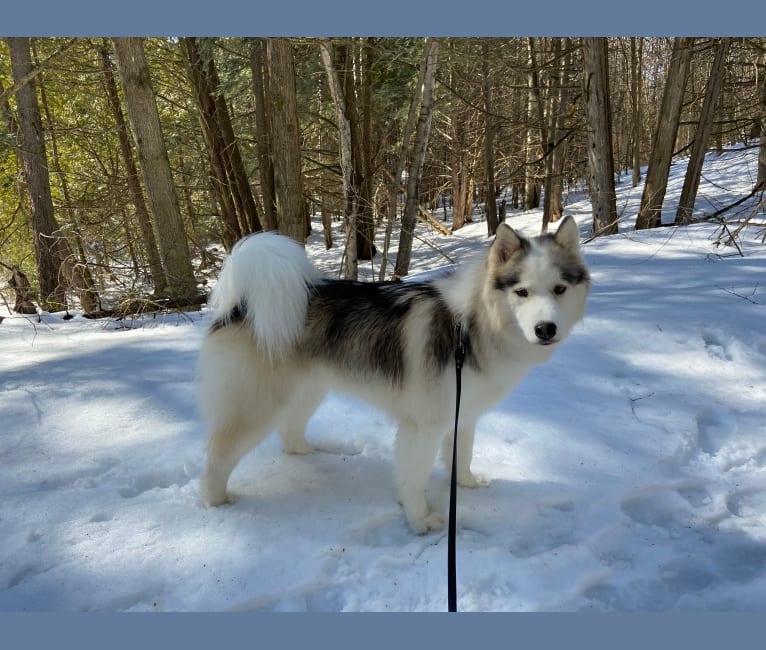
<point x="268" y="277"/>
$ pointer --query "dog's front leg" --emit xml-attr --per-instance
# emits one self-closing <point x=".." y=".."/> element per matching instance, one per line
<point x="465" y="435"/>
<point x="415" y="453"/>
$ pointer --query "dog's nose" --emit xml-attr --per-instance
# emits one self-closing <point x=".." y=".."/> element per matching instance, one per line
<point x="545" y="331"/>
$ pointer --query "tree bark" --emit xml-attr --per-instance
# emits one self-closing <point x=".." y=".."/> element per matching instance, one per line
<point x="401" y="160"/>
<point x="262" y="135"/>
<point x="23" y="294"/>
<point x="598" y="119"/>
<point x="50" y="251"/>
<point x="554" y="162"/>
<point x="490" y="199"/>
<point x="365" y="228"/>
<point x="285" y="140"/>
<point x="761" y="179"/>
<point x="636" y="67"/>
<point x="75" y="266"/>
<point x="534" y="130"/>
<point x="702" y="137"/>
<point x="422" y="132"/>
<point x="131" y="173"/>
<point x="663" y="143"/>
<point x="153" y="158"/>
<point x="228" y="169"/>
<point x="350" y="198"/>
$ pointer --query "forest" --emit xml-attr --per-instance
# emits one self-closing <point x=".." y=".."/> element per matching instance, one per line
<point x="128" y="166"/>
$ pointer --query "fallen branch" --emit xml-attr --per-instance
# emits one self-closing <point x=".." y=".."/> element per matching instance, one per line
<point x="430" y="220"/>
<point x="739" y="295"/>
<point x="138" y="306"/>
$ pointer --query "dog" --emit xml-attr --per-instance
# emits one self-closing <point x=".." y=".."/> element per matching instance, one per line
<point x="283" y="336"/>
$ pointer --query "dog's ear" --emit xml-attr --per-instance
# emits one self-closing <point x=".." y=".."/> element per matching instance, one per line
<point x="568" y="234"/>
<point x="506" y="243"/>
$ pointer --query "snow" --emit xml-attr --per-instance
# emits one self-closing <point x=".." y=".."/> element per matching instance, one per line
<point x="629" y="473"/>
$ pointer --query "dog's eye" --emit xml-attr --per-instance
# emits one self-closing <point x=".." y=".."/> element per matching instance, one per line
<point x="559" y="289"/>
<point x="522" y="293"/>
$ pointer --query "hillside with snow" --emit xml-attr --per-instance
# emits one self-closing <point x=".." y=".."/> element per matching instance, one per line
<point x="629" y="473"/>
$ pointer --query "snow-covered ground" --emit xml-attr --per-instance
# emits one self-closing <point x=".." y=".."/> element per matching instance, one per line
<point x="629" y="473"/>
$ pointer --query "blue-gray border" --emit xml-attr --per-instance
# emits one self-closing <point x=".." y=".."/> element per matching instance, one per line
<point x="390" y="18"/>
<point x="626" y="631"/>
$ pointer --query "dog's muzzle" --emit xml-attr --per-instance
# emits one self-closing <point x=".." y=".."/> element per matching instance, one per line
<point x="545" y="331"/>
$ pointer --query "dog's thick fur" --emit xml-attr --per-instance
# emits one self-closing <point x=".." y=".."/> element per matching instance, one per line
<point x="283" y="336"/>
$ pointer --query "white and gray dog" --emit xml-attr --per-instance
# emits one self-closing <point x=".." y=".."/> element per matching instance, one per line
<point x="283" y="336"/>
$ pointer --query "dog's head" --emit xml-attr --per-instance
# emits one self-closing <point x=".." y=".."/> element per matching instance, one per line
<point x="542" y="283"/>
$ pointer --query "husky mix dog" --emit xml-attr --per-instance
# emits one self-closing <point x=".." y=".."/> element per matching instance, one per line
<point x="283" y="336"/>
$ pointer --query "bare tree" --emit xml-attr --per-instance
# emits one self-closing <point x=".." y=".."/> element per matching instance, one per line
<point x="761" y="181"/>
<point x="557" y="135"/>
<point x="663" y="143"/>
<point x="262" y="134"/>
<point x="285" y="139"/>
<point x="24" y="296"/>
<point x="50" y="249"/>
<point x="598" y="118"/>
<point x="131" y="173"/>
<point x="362" y="129"/>
<point x="490" y="188"/>
<point x="75" y="267"/>
<point x="535" y="129"/>
<point x="422" y="132"/>
<point x="350" y="197"/>
<point x="230" y="179"/>
<point x="153" y="157"/>
<point x="636" y="52"/>
<point x="401" y="160"/>
<point x="702" y="137"/>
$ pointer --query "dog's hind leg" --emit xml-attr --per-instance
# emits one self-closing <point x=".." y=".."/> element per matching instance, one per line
<point x="297" y="414"/>
<point x="227" y="444"/>
<point x="414" y="457"/>
<point x="465" y="436"/>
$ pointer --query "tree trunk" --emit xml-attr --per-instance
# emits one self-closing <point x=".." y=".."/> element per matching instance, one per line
<point x="285" y="139"/>
<point x="362" y="128"/>
<point x="23" y="294"/>
<point x="460" y="173"/>
<point x="422" y="132"/>
<point x="554" y="162"/>
<point x="350" y="199"/>
<point x="131" y="172"/>
<point x="50" y="251"/>
<point x="229" y="173"/>
<point x="761" y="180"/>
<point x="490" y="199"/>
<point x="153" y="158"/>
<point x="262" y="135"/>
<point x="401" y="160"/>
<point x="204" y="94"/>
<point x="663" y="143"/>
<point x="534" y="129"/>
<point x="75" y="267"/>
<point x="636" y="68"/>
<point x="702" y="137"/>
<point x="323" y="198"/>
<point x="598" y="119"/>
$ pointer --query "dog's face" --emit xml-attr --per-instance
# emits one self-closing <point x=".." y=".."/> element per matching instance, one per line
<point x="542" y="283"/>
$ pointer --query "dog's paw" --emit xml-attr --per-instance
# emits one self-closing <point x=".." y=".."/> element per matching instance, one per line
<point x="214" y="498"/>
<point x="432" y="521"/>
<point x="471" y="480"/>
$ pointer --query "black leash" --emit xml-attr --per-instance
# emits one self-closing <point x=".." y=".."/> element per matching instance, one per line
<point x="451" y="567"/>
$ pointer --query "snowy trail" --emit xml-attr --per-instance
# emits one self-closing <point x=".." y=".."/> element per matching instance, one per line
<point x="629" y="473"/>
